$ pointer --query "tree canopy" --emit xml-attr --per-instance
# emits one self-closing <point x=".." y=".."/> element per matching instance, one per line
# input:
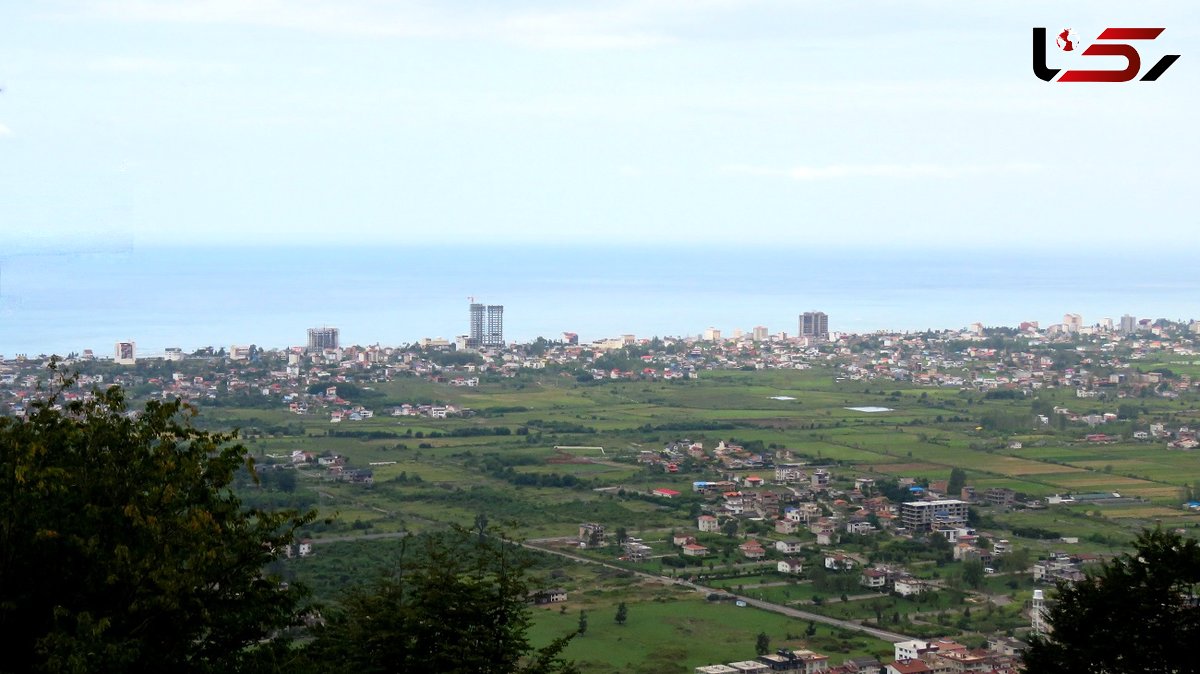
<point x="1138" y="613"/>
<point x="122" y="547"/>
<point x="455" y="602"/>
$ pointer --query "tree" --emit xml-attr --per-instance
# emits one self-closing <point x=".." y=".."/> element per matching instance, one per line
<point x="285" y="480"/>
<point x="958" y="478"/>
<point x="730" y="528"/>
<point x="622" y="534"/>
<point x="1145" y="598"/>
<point x="972" y="573"/>
<point x="123" y="547"/>
<point x="877" y="606"/>
<point x="582" y="623"/>
<point x="1016" y="561"/>
<point x="622" y="613"/>
<point x="454" y="602"/>
<point x="762" y="644"/>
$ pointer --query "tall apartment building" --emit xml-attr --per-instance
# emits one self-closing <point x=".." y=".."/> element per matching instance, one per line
<point x="760" y="333"/>
<point x="320" y="339"/>
<point x="487" y="325"/>
<point x="126" y="353"/>
<point x="1072" y="323"/>
<point x="814" y="324"/>
<point x="922" y="515"/>
<point x="1128" y="325"/>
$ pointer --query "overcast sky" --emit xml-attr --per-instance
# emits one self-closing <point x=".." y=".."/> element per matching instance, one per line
<point x="692" y="121"/>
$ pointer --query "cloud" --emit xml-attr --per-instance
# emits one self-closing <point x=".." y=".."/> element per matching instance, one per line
<point x="915" y="170"/>
<point x="4" y="130"/>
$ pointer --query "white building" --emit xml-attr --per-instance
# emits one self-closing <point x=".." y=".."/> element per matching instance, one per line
<point x="126" y="353"/>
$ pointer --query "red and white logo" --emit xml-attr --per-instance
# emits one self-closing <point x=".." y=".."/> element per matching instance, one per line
<point x="1066" y="40"/>
<point x="1110" y="42"/>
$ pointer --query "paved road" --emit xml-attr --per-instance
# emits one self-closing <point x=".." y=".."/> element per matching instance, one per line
<point x="666" y="580"/>
<point x="766" y="606"/>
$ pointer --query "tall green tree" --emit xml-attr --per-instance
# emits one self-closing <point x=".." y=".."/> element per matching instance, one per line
<point x="762" y="643"/>
<point x="454" y="603"/>
<point x="958" y="478"/>
<point x="972" y="573"/>
<point x="123" y="548"/>
<point x="622" y="613"/>
<point x="1138" y="613"/>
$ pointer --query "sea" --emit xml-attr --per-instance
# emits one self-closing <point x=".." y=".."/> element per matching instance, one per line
<point x="58" y="301"/>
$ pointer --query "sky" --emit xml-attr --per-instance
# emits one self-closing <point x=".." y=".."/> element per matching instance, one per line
<point x="706" y="122"/>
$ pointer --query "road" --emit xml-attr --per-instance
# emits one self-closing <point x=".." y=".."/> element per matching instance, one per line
<point x="764" y="605"/>
<point x="667" y="580"/>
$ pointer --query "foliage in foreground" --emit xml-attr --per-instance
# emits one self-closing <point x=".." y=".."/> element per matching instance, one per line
<point x="454" y="603"/>
<point x="122" y="547"/>
<point x="1139" y="613"/>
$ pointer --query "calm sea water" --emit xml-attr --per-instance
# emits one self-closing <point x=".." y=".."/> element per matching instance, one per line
<point x="194" y="297"/>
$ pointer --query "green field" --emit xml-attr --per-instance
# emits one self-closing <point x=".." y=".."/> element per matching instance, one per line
<point x="502" y="463"/>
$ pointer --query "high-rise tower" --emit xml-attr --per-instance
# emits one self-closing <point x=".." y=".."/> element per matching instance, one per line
<point x="320" y="339"/>
<point x="814" y="324"/>
<point x="487" y="325"/>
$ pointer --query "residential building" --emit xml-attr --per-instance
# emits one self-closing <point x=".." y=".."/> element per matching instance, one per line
<point x="486" y="326"/>
<point x="753" y="550"/>
<point x="786" y="526"/>
<point x="789" y="547"/>
<point x="790" y="472"/>
<point x="908" y="667"/>
<point x="921" y="515"/>
<point x="322" y="338"/>
<point x="1072" y="323"/>
<point x="907" y="587"/>
<point x="814" y="324"/>
<point x="126" y="353"/>
<point x="550" y="596"/>
<point x="707" y="523"/>
<point x="790" y="565"/>
<point x="913" y="650"/>
<point x="873" y="578"/>
<point x="760" y="333"/>
<point x="839" y="562"/>
<point x="801" y="661"/>
<point x="591" y="535"/>
<point x="1000" y="496"/>
<point x="1128" y="325"/>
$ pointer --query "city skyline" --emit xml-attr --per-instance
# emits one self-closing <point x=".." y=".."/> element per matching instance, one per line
<point x="126" y="351"/>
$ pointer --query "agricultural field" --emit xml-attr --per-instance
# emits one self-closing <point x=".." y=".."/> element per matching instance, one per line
<point x="543" y="454"/>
